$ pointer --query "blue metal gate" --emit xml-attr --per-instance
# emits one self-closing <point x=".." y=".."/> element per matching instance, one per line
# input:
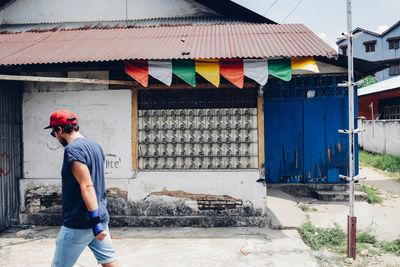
<point x="302" y="118"/>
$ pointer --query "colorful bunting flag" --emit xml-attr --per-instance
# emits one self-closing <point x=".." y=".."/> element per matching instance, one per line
<point x="186" y="70"/>
<point x="232" y="70"/>
<point x="161" y="70"/>
<point x="209" y="69"/>
<point x="138" y="70"/>
<point x="304" y="63"/>
<point x="256" y="69"/>
<point x="280" y="68"/>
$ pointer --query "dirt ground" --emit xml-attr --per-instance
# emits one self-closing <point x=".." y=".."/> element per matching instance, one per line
<point x="381" y="220"/>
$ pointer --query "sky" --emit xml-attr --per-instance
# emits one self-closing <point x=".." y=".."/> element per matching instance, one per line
<point x="327" y="18"/>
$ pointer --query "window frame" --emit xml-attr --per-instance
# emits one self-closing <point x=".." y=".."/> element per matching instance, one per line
<point x="394" y="70"/>
<point x="394" y="44"/>
<point x="369" y="48"/>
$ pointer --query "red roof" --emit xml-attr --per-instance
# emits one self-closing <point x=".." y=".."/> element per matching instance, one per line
<point x="162" y="42"/>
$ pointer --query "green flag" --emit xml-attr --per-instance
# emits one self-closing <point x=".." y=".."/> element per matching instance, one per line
<point x="280" y="68"/>
<point x="186" y="70"/>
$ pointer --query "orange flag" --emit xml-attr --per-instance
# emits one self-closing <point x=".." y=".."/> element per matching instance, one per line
<point x="138" y="70"/>
<point x="232" y="70"/>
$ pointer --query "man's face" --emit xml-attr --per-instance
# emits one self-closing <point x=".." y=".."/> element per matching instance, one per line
<point x="57" y="133"/>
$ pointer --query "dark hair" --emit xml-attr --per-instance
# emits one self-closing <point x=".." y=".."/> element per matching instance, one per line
<point x="68" y="128"/>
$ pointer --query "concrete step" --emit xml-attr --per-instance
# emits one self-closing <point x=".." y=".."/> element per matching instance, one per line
<point x="340" y="196"/>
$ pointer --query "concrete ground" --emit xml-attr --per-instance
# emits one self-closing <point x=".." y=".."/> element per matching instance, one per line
<point x="240" y="246"/>
<point x="168" y="247"/>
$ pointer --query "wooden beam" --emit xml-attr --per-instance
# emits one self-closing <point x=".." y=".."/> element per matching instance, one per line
<point x="64" y="80"/>
<point x="135" y="132"/>
<point x="260" y="116"/>
<point x="117" y="84"/>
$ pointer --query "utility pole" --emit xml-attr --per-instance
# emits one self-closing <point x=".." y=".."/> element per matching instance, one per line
<point x="351" y="219"/>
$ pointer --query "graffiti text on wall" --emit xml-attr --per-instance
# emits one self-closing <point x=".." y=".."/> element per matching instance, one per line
<point x="112" y="162"/>
<point x="6" y="170"/>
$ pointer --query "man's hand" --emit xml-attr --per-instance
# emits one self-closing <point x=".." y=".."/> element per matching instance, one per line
<point x="100" y="236"/>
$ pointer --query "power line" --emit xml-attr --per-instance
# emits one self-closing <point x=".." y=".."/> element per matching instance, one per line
<point x="265" y="13"/>
<point x="298" y="3"/>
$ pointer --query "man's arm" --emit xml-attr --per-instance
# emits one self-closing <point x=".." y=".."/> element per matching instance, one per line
<point x="82" y="175"/>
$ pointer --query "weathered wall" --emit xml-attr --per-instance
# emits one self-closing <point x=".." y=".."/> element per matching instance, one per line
<point x="42" y="11"/>
<point x="144" y="198"/>
<point x="380" y="136"/>
<point x="104" y="116"/>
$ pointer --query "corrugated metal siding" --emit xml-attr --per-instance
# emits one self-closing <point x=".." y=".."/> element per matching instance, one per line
<point x="164" y="42"/>
<point x="10" y="152"/>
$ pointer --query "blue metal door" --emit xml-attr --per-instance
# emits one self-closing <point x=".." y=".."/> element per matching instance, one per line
<point x="302" y="142"/>
<point x="284" y="141"/>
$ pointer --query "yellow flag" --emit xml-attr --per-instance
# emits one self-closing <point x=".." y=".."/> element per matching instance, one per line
<point x="209" y="69"/>
<point x="305" y="63"/>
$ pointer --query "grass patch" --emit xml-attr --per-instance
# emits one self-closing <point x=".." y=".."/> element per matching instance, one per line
<point x="383" y="162"/>
<point x="392" y="247"/>
<point x="317" y="238"/>
<point x="335" y="239"/>
<point x="372" y="194"/>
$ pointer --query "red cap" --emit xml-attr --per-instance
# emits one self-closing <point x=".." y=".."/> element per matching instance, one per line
<point x="62" y="117"/>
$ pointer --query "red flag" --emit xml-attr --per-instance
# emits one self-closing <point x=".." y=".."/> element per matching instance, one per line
<point x="232" y="70"/>
<point x="138" y="70"/>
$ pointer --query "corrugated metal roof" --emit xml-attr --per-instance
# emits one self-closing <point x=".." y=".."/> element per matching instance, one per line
<point x="86" y="25"/>
<point x="163" y="42"/>
<point x="385" y="85"/>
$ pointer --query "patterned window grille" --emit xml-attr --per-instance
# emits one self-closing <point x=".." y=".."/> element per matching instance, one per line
<point x="391" y="112"/>
<point x="300" y="87"/>
<point x="198" y="129"/>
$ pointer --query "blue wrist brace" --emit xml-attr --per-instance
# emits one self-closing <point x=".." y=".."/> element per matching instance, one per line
<point x="97" y="227"/>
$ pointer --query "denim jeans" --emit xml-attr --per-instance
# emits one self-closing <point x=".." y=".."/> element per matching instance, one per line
<point x="71" y="242"/>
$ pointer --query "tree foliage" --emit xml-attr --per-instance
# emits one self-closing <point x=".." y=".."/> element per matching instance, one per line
<point x="367" y="81"/>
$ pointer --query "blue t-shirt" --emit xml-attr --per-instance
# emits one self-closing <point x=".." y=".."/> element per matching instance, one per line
<point x="75" y="213"/>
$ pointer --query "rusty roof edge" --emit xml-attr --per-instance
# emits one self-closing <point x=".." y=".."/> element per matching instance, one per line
<point x="96" y="27"/>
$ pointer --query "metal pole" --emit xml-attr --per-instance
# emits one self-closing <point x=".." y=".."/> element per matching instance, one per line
<point x="351" y="244"/>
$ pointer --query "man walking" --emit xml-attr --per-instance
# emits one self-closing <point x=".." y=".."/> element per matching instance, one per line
<point x="85" y="217"/>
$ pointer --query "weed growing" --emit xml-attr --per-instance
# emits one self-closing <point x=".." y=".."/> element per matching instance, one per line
<point x="372" y="194"/>
<point x="366" y="238"/>
<point x="390" y="247"/>
<point x="317" y="238"/>
<point x="334" y="238"/>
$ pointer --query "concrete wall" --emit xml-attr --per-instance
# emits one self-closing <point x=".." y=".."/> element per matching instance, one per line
<point x="42" y="11"/>
<point x="141" y="198"/>
<point x="380" y="136"/>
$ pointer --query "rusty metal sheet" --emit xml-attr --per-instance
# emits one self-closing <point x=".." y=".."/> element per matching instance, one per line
<point x="10" y="152"/>
<point x="162" y="42"/>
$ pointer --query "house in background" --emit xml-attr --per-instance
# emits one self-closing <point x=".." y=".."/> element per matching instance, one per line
<point x="190" y="99"/>
<point x="380" y="101"/>
<point x="382" y="48"/>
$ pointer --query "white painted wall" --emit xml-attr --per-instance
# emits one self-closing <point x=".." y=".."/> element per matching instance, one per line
<point x="104" y="116"/>
<point x="41" y="11"/>
<point x="237" y="184"/>
<point x="380" y="136"/>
